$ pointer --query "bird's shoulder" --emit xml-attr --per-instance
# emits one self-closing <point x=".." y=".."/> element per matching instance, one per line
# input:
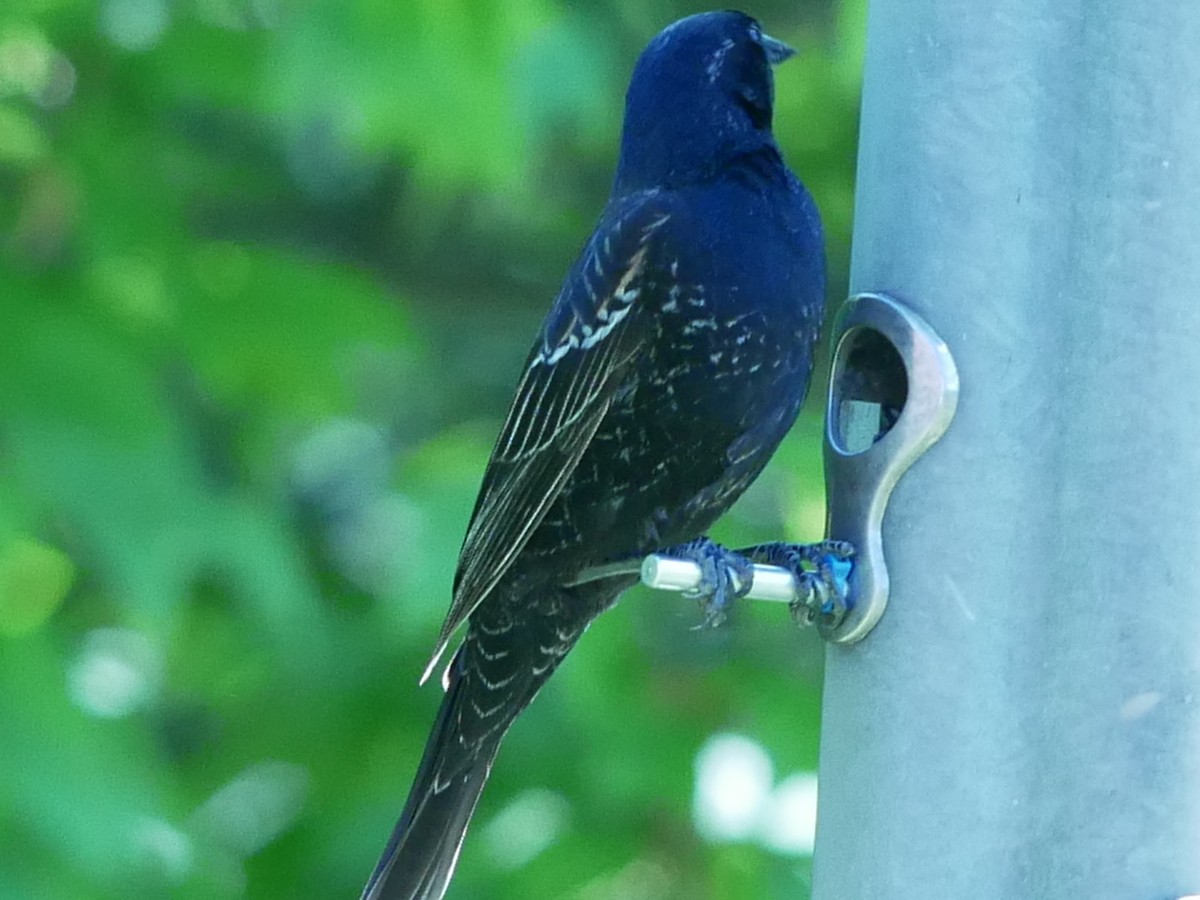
<point x="649" y="240"/>
<point x="612" y="269"/>
<point x="753" y="234"/>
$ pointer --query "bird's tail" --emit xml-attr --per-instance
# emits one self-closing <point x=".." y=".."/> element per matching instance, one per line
<point x="421" y="854"/>
<point x="508" y="653"/>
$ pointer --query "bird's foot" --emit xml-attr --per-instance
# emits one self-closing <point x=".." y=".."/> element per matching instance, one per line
<point x="822" y="572"/>
<point x="726" y="576"/>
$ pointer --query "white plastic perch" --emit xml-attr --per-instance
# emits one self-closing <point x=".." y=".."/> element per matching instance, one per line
<point x="669" y="573"/>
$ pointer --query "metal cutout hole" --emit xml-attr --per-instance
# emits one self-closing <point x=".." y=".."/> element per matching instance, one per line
<point x="871" y="388"/>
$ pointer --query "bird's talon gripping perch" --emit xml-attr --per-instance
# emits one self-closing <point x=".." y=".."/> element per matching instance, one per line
<point x="823" y="593"/>
<point x="726" y="576"/>
<point x="822" y="573"/>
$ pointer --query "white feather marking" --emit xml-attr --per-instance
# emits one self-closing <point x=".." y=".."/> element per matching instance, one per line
<point x="489" y="711"/>
<point x="503" y="629"/>
<point x="653" y="227"/>
<point x="700" y="325"/>
<point x="493" y="685"/>
<point x="603" y="331"/>
<point x="717" y="60"/>
<point x="563" y="349"/>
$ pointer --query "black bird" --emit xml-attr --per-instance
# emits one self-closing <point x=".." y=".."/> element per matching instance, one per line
<point x="673" y="361"/>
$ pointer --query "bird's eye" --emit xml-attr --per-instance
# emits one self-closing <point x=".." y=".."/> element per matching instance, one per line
<point x="756" y="34"/>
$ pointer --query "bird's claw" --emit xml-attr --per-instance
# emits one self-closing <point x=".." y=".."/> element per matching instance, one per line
<point x="727" y="575"/>
<point x="822" y="572"/>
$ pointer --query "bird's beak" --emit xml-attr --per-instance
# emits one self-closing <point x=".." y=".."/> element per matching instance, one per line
<point x="777" y="50"/>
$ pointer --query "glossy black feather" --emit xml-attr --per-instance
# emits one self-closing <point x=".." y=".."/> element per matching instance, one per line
<point x="594" y="331"/>
<point x="673" y="361"/>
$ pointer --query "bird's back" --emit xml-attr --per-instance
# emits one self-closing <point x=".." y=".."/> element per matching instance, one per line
<point x="735" y="306"/>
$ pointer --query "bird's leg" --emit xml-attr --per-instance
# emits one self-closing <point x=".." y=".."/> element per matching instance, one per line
<point x="726" y="575"/>
<point x="821" y="571"/>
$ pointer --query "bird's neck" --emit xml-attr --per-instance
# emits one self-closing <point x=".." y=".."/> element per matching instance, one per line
<point x="647" y="161"/>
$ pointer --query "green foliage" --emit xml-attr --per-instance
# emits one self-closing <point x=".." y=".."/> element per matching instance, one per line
<point x="267" y="272"/>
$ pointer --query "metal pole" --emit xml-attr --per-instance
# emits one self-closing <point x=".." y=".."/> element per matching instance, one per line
<point x="1024" y="722"/>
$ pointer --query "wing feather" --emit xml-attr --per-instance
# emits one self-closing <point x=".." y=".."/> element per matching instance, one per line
<point x="573" y="373"/>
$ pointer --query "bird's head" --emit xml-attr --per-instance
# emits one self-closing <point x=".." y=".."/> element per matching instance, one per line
<point x="702" y="93"/>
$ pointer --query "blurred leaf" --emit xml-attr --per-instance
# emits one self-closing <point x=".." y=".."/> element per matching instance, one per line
<point x="34" y="579"/>
<point x="21" y="141"/>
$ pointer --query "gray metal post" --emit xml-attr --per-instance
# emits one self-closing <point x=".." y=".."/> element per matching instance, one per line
<point x="1025" y="720"/>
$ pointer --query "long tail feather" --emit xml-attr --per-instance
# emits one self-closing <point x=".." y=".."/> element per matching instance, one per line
<point x="424" y="846"/>
<point x="512" y="646"/>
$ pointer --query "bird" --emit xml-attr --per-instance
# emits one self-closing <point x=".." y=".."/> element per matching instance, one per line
<point x="672" y="362"/>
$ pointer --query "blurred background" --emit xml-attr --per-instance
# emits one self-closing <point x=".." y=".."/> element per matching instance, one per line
<point x="268" y="272"/>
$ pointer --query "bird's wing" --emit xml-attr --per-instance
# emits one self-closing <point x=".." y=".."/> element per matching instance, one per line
<point x="593" y="332"/>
